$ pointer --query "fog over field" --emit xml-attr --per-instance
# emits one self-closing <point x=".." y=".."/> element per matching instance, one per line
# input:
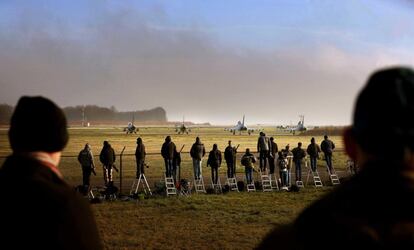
<point x="208" y="61"/>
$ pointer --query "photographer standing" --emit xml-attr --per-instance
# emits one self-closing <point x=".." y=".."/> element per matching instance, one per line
<point x="248" y="161"/>
<point x="214" y="161"/>
<point x="197" y="152"/>
<point x="140" y="157"/>
<point x="85" y="158"/>
<point x="107" y="158"/>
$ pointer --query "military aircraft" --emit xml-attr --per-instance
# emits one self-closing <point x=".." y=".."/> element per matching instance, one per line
<point x="130" y="128"/>
<point x="182" y="129"/>
<point x="241" y="127"/>
<point x="300" y="127"/>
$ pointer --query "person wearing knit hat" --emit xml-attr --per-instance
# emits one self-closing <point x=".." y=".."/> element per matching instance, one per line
<point x="229" y="156"/>
<point x="39" y="209"/>
<point x="107" y="158"/>
<point x="374" y="209"/>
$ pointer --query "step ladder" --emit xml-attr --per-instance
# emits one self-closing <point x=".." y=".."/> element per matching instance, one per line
<point x="217" y="187"/>
<point x="170" y="186"/>
<point x="232" y="182"/>
<point x="199" y="185"/>
<point x="316" y="178"/>
<point x="333" y="177"/>
<point x="135" y="185"/>
<point x="251" y="187"/>
<point x="300" y="184"/>
<point x="266" y="183"/>
<point x="274" y="182"/>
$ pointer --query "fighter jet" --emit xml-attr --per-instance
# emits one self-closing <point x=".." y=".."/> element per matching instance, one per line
<point x="130" y="128"/>
<point x="182" y="129"/>
<point x="240" y="127"/>
<point x="300" y="127"/>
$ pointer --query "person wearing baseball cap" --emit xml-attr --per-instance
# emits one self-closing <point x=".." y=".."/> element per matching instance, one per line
<point x="374" y="209"/>
<point x="39" y="210"/>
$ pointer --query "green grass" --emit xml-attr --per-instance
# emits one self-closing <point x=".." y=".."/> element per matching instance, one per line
<point x="229" y="221"/>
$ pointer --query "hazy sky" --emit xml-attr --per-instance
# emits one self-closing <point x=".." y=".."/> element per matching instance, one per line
<point x="212" y="61"/>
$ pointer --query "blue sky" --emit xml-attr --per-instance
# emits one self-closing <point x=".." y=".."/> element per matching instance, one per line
<point x="314" y="51"/>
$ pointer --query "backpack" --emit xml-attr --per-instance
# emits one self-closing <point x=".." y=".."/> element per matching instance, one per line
<point x="282" y="164"/>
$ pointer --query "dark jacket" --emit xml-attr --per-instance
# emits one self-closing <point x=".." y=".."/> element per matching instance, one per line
<point x="197" y="151"/>
<point x="298" y="153"/>
<point x="313" y="150"/>
<point x="358" y="214"/>
<point x="214" y="158"/>
<point x="247" y="160"/>
<point x="327" y="146"/>
<point x="41" y="211"/>
<point x="273" y="149"/>
<point x="229" y="154"/>
<point x="107" y="156"/>
<point x="263" y="143"/>
<point x="140" y="152"/>
<point x="168" y="150"/>
<point x="85" y="158"/>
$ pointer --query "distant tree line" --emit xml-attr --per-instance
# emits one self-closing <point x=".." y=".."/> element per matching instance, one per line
<point x="95" y="114"/>
<point x="5" y="113"/>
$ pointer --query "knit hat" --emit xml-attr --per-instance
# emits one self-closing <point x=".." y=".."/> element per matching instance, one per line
<point x="384" y="112"/>
<point x="37" y="124"/>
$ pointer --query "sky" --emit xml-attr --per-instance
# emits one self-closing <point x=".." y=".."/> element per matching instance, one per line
<point x="210" y="61"/>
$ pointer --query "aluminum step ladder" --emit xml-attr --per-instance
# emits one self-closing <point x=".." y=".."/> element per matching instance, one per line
<point x="199" y="185"/>
<point x="266" y="182"/>
<point x="232" y="182"/>
<point x="170" y="186"/>
<point x="300" y="184"/>
<point x="251" y="187"/>
<point x="333" y="177"/>
<point x="316" y="178"/>
<point x="135" y="185"/>
<point x="274" y="182"/>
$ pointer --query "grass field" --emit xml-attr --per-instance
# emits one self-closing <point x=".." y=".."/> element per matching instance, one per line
<point x="229" y="221"/>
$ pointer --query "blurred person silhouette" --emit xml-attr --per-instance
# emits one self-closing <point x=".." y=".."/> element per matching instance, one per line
<point x="374" y="208"/>
<point x="39" y="210"/>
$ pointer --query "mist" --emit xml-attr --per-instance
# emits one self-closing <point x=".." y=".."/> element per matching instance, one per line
<point x="118" y="57"/>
